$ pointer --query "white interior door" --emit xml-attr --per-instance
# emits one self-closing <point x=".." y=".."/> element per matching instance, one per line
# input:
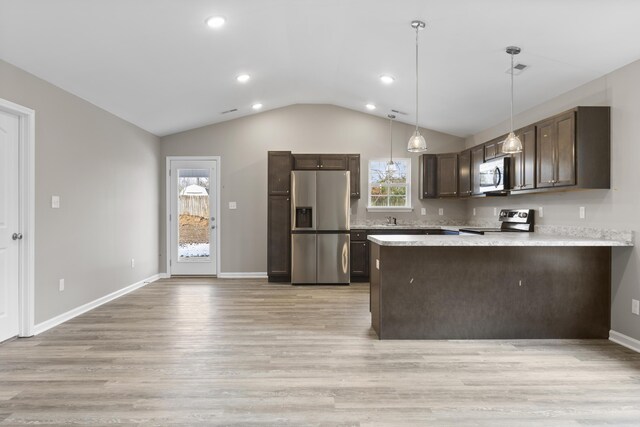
<point x="193" y="221"/>
<point x="10" y="237"/>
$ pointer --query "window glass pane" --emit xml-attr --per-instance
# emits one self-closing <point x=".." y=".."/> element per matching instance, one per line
<point x="397" y="201"/>
<point x="379" y="201"/>
<point x="193" y="213"/>
<point x="379" y="190"/>
<point x="398" y="191"/>
<point x="377" y="172"/>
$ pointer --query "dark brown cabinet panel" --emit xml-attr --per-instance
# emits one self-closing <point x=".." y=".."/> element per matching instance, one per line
<point x="447" y="175"/>
<point x="524" y="163"/>
<point x="464" y="174"/>
<point x="333" y="162"/>
<point x="556" y="145"/>
<point x="359" y="260"/>
<point x="306" y="161"/>
<point x="353" y="161"/>
<point x="279" y="172"/>
<point x="477" y="158"/>
<point x="279" y="239"/>
<point x="493" y="148"/>
<point x="320" y="162"/>
<point x="428" y="176"/>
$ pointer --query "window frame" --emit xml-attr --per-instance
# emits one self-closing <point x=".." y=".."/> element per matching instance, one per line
<point x="408" y="206"/>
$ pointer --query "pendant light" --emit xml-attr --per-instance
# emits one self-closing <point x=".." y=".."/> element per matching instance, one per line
<point x="392" y="168"/>
<point x="512" y="144"/>
<point x="417" y="143"/>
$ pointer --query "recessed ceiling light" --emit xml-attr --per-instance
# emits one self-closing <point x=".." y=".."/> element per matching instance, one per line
<point x="215" y="21"/>
<point x="243" y="78"/>
<point x="387" y="79"/>
<point x="256" y="106"/>
<point x="370" y="107"/>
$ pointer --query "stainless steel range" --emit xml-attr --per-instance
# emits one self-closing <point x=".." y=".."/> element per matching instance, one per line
<point x="512" y="220"/>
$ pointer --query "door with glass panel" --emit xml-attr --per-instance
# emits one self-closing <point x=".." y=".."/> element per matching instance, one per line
<point x="192" y="218"/>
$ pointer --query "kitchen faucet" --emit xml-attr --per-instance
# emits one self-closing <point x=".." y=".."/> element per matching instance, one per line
<point x="392" y="220"/>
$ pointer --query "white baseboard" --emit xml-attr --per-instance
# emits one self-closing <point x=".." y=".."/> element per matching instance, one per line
<point x="252" y="275"/>
<point x="55" y="321"/>
<point x="624" y="340"/>
<point x="164" y="276"/>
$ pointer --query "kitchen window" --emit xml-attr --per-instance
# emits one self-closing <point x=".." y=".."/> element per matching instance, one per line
<point x="389" y="189"/>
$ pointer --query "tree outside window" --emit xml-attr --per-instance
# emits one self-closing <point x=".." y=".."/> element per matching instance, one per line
<point x="390" y="187"/>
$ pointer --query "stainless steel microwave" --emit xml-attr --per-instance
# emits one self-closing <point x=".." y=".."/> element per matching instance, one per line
<point x="495" y="175"/>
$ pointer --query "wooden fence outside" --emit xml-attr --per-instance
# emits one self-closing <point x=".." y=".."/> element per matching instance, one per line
<point x="194" y="205"/>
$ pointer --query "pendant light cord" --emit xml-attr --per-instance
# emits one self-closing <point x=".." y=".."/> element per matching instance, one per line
<point x="417" y="31"/>
<point x="390" y="140"/>
<point x="512" y="92"/>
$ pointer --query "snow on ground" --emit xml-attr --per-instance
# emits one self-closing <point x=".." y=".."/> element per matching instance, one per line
<point x="193" y="250"/>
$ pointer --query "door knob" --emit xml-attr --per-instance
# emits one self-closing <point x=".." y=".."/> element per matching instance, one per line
<point x="17" y="236"/>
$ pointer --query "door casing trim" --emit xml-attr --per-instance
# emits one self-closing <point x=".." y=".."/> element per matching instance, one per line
<point x="26" y="194"/>
<point x="167" y="249"/>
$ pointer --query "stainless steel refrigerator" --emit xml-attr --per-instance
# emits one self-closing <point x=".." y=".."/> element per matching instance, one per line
<point x="320" y="227"/>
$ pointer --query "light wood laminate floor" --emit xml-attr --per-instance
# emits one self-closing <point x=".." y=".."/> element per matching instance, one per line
<point x="235" y="352"/>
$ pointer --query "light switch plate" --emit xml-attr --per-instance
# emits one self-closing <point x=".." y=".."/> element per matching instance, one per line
<point x="61" y="285"/>
<point x="635" y="306"/>
<point x="423" y="211"/>
<point x="55" y="202"/>
<point x="233" y="205"/>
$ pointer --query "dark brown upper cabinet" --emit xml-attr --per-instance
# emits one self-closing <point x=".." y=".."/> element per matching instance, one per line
<point x="353" y="161"/>
<point x="464" y="174"/>
<point x="477" y="158"/>
<point x="320" y="161"/>
<point x="279" y="173"/>
<point x="447" y="175"/>
<point x="523" y="169"/>
<point x="493" y="148"/>
<point x="427" y="176"/>
<point x="573" y="149"/>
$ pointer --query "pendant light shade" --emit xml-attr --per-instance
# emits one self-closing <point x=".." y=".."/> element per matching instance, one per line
<point x="417" y="142"/>
<point x="512" y="144"/>
<point x="391" y="168"/>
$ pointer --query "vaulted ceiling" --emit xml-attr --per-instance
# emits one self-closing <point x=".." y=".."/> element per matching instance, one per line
<point x="156" y="64"/>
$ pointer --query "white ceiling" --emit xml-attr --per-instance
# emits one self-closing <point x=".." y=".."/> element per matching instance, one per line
<point x="156" y="64"/>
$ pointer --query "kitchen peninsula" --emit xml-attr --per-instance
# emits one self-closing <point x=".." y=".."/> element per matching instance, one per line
<point x="503" y="286"/>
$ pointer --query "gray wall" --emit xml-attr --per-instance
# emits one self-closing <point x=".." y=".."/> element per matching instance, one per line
<point x="243" y="144"/>
<point x="107" y="173"/>
<point x="618" y="208"/>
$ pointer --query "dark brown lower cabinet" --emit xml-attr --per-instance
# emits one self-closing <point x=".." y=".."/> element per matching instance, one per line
<point x="278" y="239"/>
<point x="359" y="261"/>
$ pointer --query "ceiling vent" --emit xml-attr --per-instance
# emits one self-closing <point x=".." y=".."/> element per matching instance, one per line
<point x="517" y="69"/>
<point x="229" y="111"/>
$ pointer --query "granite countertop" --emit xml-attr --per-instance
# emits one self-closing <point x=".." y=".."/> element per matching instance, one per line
<point x="406" y="227"/>
<point x="498" y="239"/>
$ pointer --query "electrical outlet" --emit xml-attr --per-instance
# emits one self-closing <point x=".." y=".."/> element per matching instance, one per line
<point x="582" y="212"/>
<point x="540" y="212"/>
<point x="440" y="211"/>
<point x="61" y="285"/>
<point x="133" y="263"/>
<point x="423" y="211"/>
<point x="635" y="306"/>
<point x="495" y="211"/>
<point x="474" y="211"/>
<point x="55" y="202"/>
<point x="233" y="205"/>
